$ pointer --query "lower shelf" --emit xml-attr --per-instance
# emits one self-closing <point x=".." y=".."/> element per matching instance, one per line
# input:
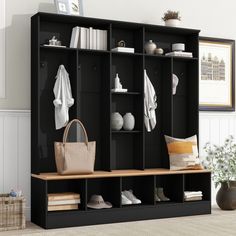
<point x="141" y="212"/>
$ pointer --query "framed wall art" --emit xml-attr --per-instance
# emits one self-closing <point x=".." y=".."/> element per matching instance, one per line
<point x="69" y="7"/>
<point x="216" y="74"/>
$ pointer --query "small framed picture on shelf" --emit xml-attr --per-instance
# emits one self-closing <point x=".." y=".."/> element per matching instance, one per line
<point x="69" y="7"/>
<point x="62" y="6"/>
<point x="216" y="74"/>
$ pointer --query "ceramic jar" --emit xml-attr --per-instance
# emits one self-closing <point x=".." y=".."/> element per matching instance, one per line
<point x="116" y="121"/>
<point x="150" y="47"/>
<point x="129" y="121"/>
<point x="172" y="22"/>
<point x="226" y="196"/>
<point x="159" y="51"/>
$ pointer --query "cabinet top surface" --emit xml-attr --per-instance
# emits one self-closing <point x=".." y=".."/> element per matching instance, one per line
<point x="86" y="20"/>
<point x="117" y="173"/>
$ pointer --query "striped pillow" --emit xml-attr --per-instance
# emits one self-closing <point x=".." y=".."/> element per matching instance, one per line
<point x="183" y="153"/>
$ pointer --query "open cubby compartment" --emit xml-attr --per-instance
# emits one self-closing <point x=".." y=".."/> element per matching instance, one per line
<point x="142" y="187"/>
<point x="49" y="64"/>
<point x="131" y="104"/>
<point x="93" y="102"/>
<point x="199" y="182"/>
<point x="75" y="186"/>
<point x="108" y="188"/>
<point x="173" y="187"/>
<point x="62" y="29"/>
<point x="130" y="71"/>
<point x="126" y="151"/>
<point x="165" y="37"/>
<point x="132" y="35"/>
<point x="159" y="73"/>
<point x="185" y="101"/>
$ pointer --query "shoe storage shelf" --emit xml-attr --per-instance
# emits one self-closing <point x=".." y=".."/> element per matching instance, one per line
<point x="136" y="159"/>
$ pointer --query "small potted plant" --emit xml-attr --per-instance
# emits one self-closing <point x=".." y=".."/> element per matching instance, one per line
<point x="171" y="18"/>
<point x="221" y="160"/>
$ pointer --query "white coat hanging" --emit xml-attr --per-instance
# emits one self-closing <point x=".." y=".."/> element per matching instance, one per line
<point x="63" y="97"/>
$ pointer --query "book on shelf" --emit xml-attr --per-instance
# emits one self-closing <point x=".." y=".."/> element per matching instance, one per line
<point x="63" y="196"/>
<point x="123" y="49"/>
<point x="74" y="37"/>
<point x="83" y="38"/>
<point x="88" y="38"/>
<point x="63" y="202"/>
<point x="63" y="207"/>
<point x="180" y="54"/>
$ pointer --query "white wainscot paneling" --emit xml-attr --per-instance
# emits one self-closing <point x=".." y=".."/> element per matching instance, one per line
<point x="215" y="127"/>
<point x="15" y="153"/>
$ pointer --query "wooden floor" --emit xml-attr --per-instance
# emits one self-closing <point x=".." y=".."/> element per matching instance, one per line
<point x="219" y="223"/>
<point x="117" y="173"/>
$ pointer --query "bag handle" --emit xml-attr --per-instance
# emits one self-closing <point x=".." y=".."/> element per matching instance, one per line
<point x="68" y="127"/>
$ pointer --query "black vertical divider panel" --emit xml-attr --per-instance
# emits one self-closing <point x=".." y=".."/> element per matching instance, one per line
<point x="35" y="66"/>
<point x="39" y="202"/>
<point x="166" y="110"/>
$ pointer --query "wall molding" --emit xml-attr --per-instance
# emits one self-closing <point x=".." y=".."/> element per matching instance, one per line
<point x="2" y="49"/>
<point x="15" y="153"/>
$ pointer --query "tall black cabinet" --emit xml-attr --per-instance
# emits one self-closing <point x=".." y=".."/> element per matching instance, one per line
<point x="124" y="159"/>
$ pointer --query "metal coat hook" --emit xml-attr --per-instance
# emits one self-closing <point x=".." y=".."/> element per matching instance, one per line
<point x="42" y="64"/>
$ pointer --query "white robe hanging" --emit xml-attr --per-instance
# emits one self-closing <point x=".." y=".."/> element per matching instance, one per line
<point x="63" y="97"/>
<point x="150" y="104"/>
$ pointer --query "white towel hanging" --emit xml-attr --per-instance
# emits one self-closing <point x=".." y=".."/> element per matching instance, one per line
<point x="150" y="104"/>
<point x="63" y="97"/>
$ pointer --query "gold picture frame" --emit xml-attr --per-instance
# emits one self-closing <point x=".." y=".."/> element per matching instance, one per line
<point x="216" y="74"/>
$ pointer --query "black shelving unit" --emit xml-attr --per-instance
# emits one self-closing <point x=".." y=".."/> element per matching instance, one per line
<point x="124" y="159"/>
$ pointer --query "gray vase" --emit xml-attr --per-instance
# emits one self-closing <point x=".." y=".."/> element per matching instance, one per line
<point x="129" y="121"/>
<point x="116" y="121"/>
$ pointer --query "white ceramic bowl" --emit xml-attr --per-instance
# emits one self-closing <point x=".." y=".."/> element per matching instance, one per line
<point x="178" y="47"/>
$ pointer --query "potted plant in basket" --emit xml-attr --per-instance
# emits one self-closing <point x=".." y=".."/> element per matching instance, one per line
<point x="171" y="18"/>
<point x="221" y="160"/>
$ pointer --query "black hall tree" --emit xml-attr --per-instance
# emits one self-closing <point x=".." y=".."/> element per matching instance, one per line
<point x="134" y="159"/>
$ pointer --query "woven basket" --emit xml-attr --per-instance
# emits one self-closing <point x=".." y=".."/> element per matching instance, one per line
<point x="12" y="212"/>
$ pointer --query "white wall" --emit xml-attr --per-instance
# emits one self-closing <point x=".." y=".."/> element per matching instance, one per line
<point x="214" y="18"/>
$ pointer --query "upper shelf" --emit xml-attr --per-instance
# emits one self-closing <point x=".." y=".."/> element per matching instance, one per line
<point x="117" y="173"/>
<point x="106" y="22"/>
<point x="91" y="51"/>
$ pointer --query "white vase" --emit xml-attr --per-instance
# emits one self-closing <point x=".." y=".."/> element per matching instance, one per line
<point x="129" y="121"/>
<point x="150" y="47"/>
<point x="116" y="121"/>
<point x="172" y="22"/>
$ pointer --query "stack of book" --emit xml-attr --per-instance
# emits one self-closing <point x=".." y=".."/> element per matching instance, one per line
<point x="63" y="201"/>
<point x="88" y="38"/>
<point x="123" y="49"/>
<point x="179" y="54"/>
<point x="193" y="195"/>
